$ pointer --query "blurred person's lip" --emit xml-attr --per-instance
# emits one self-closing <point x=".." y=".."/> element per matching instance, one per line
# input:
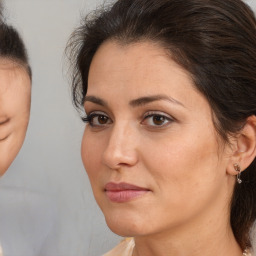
<point x="123" y="192"/>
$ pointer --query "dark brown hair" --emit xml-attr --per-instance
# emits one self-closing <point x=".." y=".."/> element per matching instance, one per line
<point x="215" y="40"/>
<point x="11" y="44"/>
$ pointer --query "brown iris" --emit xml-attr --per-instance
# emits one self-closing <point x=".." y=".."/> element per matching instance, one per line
<point x="158" y="120"/>
<point x="102" y="119"/>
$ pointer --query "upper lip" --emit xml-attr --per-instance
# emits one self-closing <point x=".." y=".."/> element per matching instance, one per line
<point x="111" y="186"/>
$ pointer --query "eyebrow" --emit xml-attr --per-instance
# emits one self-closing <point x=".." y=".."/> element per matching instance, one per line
<point x="148" y="99"/>
<point x="136" y="102"/>
<point x="95" y="100"/>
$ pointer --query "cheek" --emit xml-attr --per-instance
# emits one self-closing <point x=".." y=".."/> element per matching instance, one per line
<point x="90" y="153"/>
<point x="6" y="157"/>
<point x="183" y="166"/>
<point x="10" y="147"/>
<point x="8" y="151"/>
<point x="186" y="178"/>
<point x="17" y="103"/>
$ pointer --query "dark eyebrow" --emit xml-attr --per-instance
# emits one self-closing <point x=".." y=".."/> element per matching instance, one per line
<point x="135" y="103"/>
<point x="148" y="99"/>
<point x="95" y="100"/>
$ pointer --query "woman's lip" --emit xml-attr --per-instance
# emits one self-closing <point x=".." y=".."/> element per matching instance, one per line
<point x="123" y="192"/>
<point x="122" y="186"/>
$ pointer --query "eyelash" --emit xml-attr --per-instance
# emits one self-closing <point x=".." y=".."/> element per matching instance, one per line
<point x="89" y="118"/>
<point x="166" y="119"/>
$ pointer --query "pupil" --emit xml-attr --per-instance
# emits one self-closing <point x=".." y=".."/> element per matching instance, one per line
<point x="102" y="119"/>
<point x="158" y="120"/>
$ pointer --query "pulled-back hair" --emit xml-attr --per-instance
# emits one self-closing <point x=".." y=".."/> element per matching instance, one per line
<point x="214" y="40"/>
<point x="11" y="44"/>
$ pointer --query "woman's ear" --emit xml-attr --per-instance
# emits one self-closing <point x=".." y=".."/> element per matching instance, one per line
<point x="245" y="147"/>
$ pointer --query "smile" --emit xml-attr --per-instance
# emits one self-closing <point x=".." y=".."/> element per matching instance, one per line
<point x="123" y="192"/>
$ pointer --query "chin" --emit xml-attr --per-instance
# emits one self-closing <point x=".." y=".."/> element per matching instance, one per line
<point x="126" y="226"/>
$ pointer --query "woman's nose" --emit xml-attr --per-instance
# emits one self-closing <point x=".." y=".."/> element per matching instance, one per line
<point x="121" y="149"/>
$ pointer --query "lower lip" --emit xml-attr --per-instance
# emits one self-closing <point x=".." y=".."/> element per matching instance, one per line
<point x="124" y="195"/>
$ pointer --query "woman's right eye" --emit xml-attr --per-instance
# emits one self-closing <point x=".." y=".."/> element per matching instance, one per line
<point x="97" y="119"/>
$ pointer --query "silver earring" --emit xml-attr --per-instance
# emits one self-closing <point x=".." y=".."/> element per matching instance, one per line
<point x="238" y="169"/>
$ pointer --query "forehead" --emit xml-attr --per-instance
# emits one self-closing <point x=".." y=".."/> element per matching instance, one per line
<point x="13" y="76"/>
<point x="15" y="89"/>
<point x="142" y="59"/>
<point x="132" y="56"/>
<point x="143" y="67"/>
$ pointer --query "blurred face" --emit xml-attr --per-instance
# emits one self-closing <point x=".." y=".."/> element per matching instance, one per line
<point x="14" y="110"/>
<point x="149" y="147"/>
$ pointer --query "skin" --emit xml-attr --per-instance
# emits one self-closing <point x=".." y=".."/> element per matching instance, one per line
<point x="15" y="93"/>
<point x="180" y="161"/>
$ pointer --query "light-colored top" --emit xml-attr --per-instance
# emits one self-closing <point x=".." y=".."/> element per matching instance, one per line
<point x="125" y="248"/>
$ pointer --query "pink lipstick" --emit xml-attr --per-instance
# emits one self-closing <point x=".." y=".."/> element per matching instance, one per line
<point x="123" y="192"/>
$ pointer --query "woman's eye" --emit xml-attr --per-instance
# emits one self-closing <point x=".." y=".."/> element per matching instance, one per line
<point x="97" y="119"/>
<point x="100" y="120"/>
<point x="159" y="120"/>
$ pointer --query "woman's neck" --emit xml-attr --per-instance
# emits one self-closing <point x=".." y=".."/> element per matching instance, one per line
<point x="191" y="246"/>
<point x="200" y="238"/>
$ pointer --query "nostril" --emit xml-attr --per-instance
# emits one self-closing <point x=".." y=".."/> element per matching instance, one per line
<point x="116" y="158"/>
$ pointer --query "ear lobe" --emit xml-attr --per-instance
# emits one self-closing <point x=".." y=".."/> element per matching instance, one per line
<point x="245" y="151"/>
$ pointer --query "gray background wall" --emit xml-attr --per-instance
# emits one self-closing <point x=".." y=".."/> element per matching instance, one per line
<point x="46" y="187"/>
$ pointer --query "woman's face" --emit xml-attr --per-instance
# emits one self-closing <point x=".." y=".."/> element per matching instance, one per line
<point x="15" y="91"/>
<point x="150" y="148"/>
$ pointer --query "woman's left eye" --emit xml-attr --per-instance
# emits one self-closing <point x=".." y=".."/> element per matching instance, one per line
<point x="156" y="119"/>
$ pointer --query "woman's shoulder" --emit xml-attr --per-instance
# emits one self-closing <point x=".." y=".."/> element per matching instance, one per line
<point x="125" y="248"/>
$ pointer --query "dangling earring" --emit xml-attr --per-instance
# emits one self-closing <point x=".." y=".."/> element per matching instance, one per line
<point x="238" y="169"/>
